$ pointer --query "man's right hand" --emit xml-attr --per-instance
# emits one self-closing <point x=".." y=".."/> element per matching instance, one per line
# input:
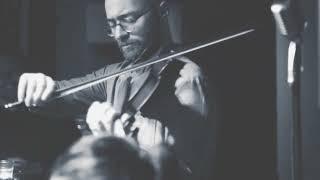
<point x="103" y="118"/>
<point x="34" y="88"/>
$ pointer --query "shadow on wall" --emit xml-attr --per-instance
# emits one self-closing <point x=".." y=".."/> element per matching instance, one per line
<point x="10" y="69"/>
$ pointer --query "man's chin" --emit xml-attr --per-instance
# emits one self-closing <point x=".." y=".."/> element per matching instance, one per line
<point x="131" y="54"/>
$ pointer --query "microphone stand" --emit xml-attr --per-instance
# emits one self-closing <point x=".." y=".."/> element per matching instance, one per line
<point x="291" y="24"/>
<point x="294" y="82"/>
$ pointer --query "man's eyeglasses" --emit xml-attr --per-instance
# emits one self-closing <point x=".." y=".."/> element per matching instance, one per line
<point x="126" y="22"/>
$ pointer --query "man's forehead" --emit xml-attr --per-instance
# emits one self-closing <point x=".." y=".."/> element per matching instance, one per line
<point x="116" y="8"/>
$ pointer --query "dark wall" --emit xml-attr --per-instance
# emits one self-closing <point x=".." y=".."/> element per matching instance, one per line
<point x="41" y="51"/>
<point x="9" y="16"/>
<point x="71" y="49"/>
<point x="78" y="50"/>
<point x="242" y="74"/>
<point x="310" y="93"/>
<point x="28" y="31"/>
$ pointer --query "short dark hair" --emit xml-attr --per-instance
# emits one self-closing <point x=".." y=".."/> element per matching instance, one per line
<point x="101" y="158"/>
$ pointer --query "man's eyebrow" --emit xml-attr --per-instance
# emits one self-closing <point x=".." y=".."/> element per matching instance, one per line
<point x="130" y="13"/>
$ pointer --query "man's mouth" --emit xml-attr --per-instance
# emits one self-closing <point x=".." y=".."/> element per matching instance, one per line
<point x="126" y="45"/>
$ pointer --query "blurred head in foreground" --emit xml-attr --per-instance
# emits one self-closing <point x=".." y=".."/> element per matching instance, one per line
<point x="114" y="158"/>
<point x="103" y="158"/>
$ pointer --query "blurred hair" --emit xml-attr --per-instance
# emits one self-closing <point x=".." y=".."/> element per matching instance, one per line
<point x="103" y="158"/>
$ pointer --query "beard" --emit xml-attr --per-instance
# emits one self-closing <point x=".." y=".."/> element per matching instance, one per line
<point x="131" y="51"/>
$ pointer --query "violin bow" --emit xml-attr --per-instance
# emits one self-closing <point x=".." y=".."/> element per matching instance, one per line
<point x="175" y="53"/>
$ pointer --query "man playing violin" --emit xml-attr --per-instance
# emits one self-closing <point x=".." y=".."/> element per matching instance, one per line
<point x="140" y="30"/>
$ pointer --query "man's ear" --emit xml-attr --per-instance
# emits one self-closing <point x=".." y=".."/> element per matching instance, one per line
<point x="164" y="9"/>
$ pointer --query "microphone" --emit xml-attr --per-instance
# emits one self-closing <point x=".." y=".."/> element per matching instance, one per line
<point x="288" y="19"/>
<point x="291" y="24"/>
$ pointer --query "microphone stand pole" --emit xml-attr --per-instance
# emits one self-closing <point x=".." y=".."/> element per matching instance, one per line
<point x="294" y="82"/>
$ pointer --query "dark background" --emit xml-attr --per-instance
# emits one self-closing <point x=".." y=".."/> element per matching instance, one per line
<point x="53" y="37"/>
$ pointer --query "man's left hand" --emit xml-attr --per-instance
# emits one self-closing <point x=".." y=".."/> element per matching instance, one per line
<point x="189" y="86"/>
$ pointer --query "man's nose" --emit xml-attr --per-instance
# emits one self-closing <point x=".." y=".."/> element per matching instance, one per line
<point x="120" y="33"/>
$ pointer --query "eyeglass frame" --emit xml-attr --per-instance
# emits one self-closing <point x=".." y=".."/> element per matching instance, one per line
<point x="121" y="21"/>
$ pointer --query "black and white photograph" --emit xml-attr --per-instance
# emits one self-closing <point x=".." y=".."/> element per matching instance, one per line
<point x="159" y="90"/>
